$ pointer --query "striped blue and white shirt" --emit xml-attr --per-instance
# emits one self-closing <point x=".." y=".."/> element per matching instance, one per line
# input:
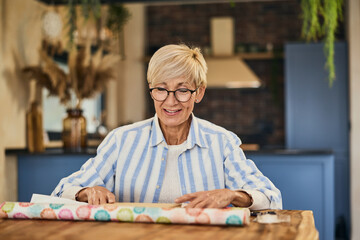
<point x="131" y="161"/>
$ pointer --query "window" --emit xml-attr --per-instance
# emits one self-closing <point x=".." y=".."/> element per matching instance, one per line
<point x="54" y="112"/>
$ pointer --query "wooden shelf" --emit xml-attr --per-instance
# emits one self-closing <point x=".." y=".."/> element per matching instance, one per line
<point x="248" y="56"/>
<point x="257" y="56"/>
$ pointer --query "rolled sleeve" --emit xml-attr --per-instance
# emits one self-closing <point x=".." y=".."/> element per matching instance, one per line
<point x="242" y="173"/>
<point x="260" y="201"/>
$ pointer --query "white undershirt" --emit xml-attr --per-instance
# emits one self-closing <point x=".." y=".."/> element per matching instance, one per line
<point x="170" y="189"/>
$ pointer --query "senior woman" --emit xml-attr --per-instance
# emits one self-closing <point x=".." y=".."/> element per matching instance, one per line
<point x="174" y="156"/>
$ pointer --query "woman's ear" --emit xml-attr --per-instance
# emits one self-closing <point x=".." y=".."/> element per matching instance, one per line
<point x="200" y="94"/>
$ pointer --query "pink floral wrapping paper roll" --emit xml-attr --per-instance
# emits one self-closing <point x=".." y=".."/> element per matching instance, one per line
<point x="210" y="216"/>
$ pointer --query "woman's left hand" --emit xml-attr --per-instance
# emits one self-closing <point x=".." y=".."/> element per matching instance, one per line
<point x="218" y="198"/>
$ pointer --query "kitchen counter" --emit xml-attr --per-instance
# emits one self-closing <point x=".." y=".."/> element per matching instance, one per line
<point x="51" y="151"/>
<point x="92" y="151"/>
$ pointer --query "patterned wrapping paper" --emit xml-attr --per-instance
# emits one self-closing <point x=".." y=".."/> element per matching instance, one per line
<point x="210" y="216"/>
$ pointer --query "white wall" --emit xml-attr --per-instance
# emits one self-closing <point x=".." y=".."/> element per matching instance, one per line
<point x="19" y="39"/>
<point x="354" y="77"/>
<point x="129" y="90"/>
<point x="135" y="81"/>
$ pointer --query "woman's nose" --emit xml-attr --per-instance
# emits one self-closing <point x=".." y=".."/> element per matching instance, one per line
<point x="171" y="98"/>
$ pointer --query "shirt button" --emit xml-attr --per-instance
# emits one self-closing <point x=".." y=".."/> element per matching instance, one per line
<point x="157" y="186"/>
<point x="162" y="159"/>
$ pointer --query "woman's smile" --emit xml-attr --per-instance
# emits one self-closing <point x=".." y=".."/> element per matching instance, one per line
<point x="172" y="112"/>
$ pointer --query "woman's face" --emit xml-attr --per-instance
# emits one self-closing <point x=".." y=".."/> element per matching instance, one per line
<point x="171" y="112"/>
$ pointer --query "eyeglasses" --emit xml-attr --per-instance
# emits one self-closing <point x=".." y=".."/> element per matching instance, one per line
<point x="181" y="94"/>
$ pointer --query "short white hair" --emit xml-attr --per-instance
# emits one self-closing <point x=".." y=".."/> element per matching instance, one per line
<point x="177" y="61"/>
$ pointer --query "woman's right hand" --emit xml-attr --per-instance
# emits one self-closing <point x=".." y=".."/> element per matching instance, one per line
<point x="95" y="195"/>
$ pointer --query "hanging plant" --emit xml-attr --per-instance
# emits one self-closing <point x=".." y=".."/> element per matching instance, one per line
<point x="89" y="8"/>
<point x="118" y="15"/>
<point x="320" y="19"/>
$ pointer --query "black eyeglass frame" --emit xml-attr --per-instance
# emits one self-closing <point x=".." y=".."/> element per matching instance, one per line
<point x="174" y="92"/>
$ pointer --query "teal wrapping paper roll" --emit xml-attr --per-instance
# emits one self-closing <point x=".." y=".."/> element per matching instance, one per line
<point x="109" y="212"/>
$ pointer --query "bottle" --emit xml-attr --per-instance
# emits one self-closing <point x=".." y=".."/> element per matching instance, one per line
<point x="74" y="131"/>
<point x="34" y="128"/>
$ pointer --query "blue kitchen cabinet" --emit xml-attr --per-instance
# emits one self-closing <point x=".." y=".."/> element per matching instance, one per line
<point x="317" y="115"/>
<point x="40" y="173"/>
<point x="306" y="182"/>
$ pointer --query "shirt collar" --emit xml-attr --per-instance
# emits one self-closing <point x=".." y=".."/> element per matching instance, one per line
<point x="156" y="134"/>
<point x="195" y="136"/>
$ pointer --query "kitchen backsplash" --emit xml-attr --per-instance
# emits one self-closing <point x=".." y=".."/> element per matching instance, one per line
<point x="256" y="24"/>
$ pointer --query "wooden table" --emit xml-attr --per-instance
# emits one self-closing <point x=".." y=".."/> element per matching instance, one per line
<point x="301" y="227"/>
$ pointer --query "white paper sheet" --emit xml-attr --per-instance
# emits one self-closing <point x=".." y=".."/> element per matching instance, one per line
<point x="40" y="198"/>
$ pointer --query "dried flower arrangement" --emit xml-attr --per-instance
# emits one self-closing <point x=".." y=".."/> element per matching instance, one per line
<point x="88" y="73"/>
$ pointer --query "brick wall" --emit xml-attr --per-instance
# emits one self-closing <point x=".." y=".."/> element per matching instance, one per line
<point x="255" y="23"/>
<point x="256" y="116"/>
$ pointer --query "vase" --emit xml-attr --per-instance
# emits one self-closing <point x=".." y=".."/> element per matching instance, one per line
<point x="34" y="129"/>
<point x="74" y="133"/>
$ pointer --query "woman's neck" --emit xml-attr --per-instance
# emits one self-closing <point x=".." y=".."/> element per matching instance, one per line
<point x="176" y="135"/>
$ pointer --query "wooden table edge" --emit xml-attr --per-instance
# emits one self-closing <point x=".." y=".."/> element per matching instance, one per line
<point x="307" y="228"/>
